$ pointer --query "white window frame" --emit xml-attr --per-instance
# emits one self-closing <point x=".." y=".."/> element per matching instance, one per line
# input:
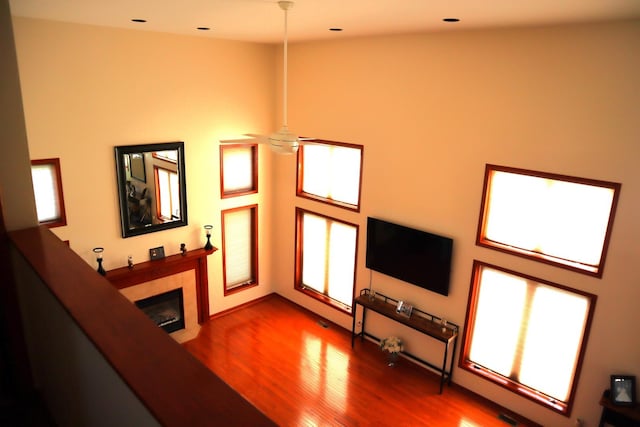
<point x="557" y="219"/>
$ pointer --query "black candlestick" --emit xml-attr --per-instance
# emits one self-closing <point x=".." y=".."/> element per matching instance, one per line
<point x="98" y="252"/>
<point x="208" y="246"/>
<point x="100" y="268"/>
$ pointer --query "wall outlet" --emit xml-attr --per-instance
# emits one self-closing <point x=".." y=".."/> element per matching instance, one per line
<point x="578" y="422"/>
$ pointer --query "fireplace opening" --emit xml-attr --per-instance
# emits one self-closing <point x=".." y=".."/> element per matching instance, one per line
<point x="166" y="309"/>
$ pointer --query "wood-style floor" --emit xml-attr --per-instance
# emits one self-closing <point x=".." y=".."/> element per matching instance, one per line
<point x="300" y="370"/>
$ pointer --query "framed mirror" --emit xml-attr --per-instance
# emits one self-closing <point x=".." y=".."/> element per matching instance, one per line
<point x="151" y="187"/>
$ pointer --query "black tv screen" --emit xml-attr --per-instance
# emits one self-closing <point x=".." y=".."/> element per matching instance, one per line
<point x="414" y="256"/>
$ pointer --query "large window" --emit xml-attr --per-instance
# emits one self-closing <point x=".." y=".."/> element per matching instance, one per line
<point x="330" y="172"/>
<point x="240" y="248"/>
<point x="526" y="334"/>
<point x="325" y="258"/>
<point x="238" y="169"/>
<point x="47" y="188"/>
<point x="565" y="221"/>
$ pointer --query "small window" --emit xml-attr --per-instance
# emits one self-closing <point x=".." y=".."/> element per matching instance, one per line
<point x="325" y="258"/>
<point x="561" y="220"/>
<point x="240" y="248"/>
<point x="526" y="334"/>
<point x="330" y="172"/>
<point x="167" y="194"/>
<point x="238" y="169"/>
<point x="47" y="188"/>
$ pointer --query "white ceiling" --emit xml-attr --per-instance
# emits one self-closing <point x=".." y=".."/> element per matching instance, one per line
<point x="263" y="20"/>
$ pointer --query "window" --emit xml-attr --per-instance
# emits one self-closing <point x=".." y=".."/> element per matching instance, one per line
<point x="526" y="334"/>
<point x="325" y="258"/>
<point x="561" y="220"/>
<point x="330" y="172"/>
<point x="240" y="248"/>
<point x="166" y="155"/>
<point x="47" y="188"/>
<point x="238" y="169"/>
<point x="167" y="194"/>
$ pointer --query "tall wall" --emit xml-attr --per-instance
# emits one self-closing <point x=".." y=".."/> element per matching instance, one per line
<point x="88" y="375"/>
<point x="431" y="110"/>
<point x="88" y="89"/>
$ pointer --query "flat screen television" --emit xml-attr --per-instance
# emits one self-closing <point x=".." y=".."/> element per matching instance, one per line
<point x="414" y="256"/>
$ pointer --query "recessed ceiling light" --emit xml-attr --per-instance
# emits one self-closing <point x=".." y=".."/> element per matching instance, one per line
<point x="203" y="28"/>
<point x="138" y="20"/>
<point x="335" y="29"/>
<point x="451" y="19"/>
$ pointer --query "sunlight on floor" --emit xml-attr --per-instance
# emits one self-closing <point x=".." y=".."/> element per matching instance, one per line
<point x="467" y="423"/>
<point x="324" y="373"/>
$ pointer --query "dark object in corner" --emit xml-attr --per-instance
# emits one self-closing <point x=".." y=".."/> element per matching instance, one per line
<point x="620" y="416"/>
<point x="623" y="390"/>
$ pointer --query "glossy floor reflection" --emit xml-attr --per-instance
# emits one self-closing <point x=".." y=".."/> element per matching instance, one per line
<point x="301" y="371"/>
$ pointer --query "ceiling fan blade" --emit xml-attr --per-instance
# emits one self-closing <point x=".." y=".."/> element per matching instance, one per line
<point x="250" y="138"/>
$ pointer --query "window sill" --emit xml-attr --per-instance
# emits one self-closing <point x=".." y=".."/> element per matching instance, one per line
<point x="548" y="402"/>
<point x="346" y="309"/>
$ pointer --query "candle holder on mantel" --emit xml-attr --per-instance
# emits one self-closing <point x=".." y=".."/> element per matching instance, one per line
<point x="207" y="229"/>
<point x="98" y="252"/>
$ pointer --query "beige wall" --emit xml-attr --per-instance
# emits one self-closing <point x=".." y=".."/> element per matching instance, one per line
<point x="431" y="111"/>
<point x="87" y="89"/>
<point x="16" y="189"/>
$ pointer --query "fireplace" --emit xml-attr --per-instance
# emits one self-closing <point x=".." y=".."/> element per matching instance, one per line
<point x="165" y="309"/>
<point x="185" y="271"/>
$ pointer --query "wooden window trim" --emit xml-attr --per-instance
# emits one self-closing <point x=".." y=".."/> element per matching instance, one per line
<point x="254" y="250"/>
<point x="157" y="156"/>
<point x="254" y="173"/>
<point x="300" y="173"/>
<point x="511" y="385"/>
<point x="298" y="285"/>
<point x="62" y="218"/>
<point x="158" y="201"/>
<point x="551" y="260"/>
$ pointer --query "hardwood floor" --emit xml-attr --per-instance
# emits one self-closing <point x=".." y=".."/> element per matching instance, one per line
<point x="300" y="370"/>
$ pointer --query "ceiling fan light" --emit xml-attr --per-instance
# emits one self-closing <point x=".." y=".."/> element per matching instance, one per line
<point x="284" y="142"/>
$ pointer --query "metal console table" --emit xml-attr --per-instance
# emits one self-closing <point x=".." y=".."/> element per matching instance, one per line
<point x="419" y="320"/>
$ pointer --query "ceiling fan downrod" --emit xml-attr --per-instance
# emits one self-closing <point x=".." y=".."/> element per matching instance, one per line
<point x="284" y="141"/>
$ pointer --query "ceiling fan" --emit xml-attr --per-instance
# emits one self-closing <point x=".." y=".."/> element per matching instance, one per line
<point x="282" y="141"/>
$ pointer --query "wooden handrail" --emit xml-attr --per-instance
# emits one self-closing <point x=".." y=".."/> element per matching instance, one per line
<point x="176" y="388"/>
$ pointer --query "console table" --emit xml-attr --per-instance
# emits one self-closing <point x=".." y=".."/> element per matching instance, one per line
<point x="619" y="416"/>
<point x="419" y="320"/>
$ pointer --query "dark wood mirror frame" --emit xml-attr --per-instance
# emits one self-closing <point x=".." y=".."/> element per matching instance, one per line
<point x="139" y="194"/>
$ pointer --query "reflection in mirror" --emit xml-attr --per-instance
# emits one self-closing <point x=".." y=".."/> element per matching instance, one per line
<point x="151" y="187"/>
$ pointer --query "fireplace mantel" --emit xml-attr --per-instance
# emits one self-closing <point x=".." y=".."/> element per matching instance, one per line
<point x="196" y="259"/>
